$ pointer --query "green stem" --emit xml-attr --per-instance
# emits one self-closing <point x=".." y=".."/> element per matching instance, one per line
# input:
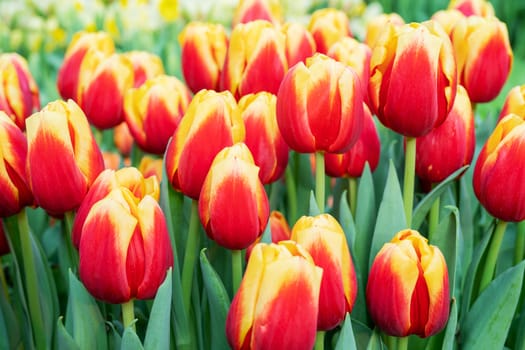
<point x="352" y="194"/>
<point x="190" y="255"/>
<point x="128" y="314"/>
<point x="319" y="340"/>
<point x="402" y="343"/>
<point x="319" y="180"/>
<point x="236" y="269"/>
<point x="519" y="246"/>
<point x="408" y="186"/>
<point x="69" y="217"/>
<point x="31" y="278"/>
<point x="492" y="255"/>
<point x="291" y="194"/>
<point x="433" y="219"/>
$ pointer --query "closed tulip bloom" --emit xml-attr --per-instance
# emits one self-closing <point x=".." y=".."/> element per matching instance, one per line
<point x="203" y="51"/>
<point x="277" y="303"/>
<point x="376" y="26"/>
<point x="107" y="181"/>
<point x="125" y="248"/>
<point x="251" y="10"/>
<point x="448" y="19"/>
<point x="320" y="106"/>
<point x="102" y="89"/>
<point x="69" y="71"/>
<point x="212" y="121"/>
<point x="500" y="164"/>
<point x="14" y="188"/>
<point x="255" y="60"/>
<point x="63" y="159"/>
<point x="300" y="43"/>
<point x="233" y="205"/>
<point x="413" y="78"/>
<point x="484" y="56"/>
<point x="19" y="95"/>
<point x="473" y="7"/>
<point x="514" y="102"/>
<point x="153" y="111"/>
<point x="263" y="137"/>
<point x="145" y="66"/>
<point x="408" y="287"/>
<point x="123" y="139"/>
<point x="366" y="149"/>
<point x="449" y="146"/>
<point x="328" y="25"/>
<point x="279" y="230"/>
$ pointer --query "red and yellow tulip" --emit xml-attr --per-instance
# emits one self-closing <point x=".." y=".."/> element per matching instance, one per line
<point x="473" y="7"/>
<point x="251" y="10"/>
<point x="376" y="26"/>
<point x="514" y="102"/>
<point x="328" y="25"/>
<point x="145" y="66"/>
<point x="300" y="43"/>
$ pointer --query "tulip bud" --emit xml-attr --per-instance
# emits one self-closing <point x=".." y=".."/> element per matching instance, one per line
<point x="203" y="51"/>
<point x="376" y="26"/>
<point x="233" y="205"/>
<point x="145" y="66"/>
<point x="14" y="188"/>
<point x="63" y="158"/>
<point x="473" y="7"/>
<point x="366" y="149"/>
<point x="263" y="137"/>
<point x="19" y="95"/>
<point x="449" y="146"/>
<point x="300" y="43"/>
<point x="483" y="55"/>
<point x="211" y="122"/>
<point x="320" y="106"/>
<point x="413" y="78"/>
<point x="408" y="287"/>
<point x="324" y="239"/>
<point x="500" y="164"/>
<point x="69" y="71"/>
<point x="514" y="103"/>
<point x="328" y="25"/>
<point x="277" y="303"/>
<point x="251" y="10"/>
<point x="255" y="60"/>
<point x="125" y="248"/>
<point x="153" y="111"/>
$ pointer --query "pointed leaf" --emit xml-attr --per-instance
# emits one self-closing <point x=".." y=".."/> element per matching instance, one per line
<point x="64" y="340"/>
<point x="313" y="208"/>
<point x="347" y="221"/>
<point x="346" y="340"/>
<point x="375" y="342"/>
<point x="452" y="325"/>
<point x="158" y="331"/>
<point x="10" y="335"/>
<point x="366" y="214"/>
<point x="130" y="340"/>
<point x="267" y="235"/>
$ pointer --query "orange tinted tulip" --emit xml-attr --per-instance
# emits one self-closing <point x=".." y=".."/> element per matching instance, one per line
<point x="251" y="10"/>
<point x="123" y="139"/>
<point x="328" y="25"/>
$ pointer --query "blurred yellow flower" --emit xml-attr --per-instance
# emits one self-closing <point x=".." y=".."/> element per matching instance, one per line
<point x="168" y="9"/>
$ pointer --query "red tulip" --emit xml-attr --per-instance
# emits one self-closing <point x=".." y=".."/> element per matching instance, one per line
<point x="300" y="43"/>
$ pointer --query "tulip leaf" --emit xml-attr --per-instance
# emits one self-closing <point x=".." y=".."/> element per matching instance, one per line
<point x="347" y="221"/>
<point x="313" y="208"/>
<point x="64" y="340"/>
<point x="130" y="340"/>
<point x="10" y="335"/>
<point x="266" y="237"/>
<point x="451" y="328"/>
<point x="422" y="208"/>
<point x="375" y="342"/>
<point x="83" y="318"/>
<point x="520" y="332"/>
<point x="219" y="303"/>
<point x="158" y="331"/>
<point x="390" y="216"/>
<point x="488" y="321"/>
<point x="346" y="340"/>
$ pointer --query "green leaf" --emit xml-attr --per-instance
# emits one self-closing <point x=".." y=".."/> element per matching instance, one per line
<point x="390" y="216"/>
<point x="452" y="325"/>
<point x="130" y="340"/>
<point x="83" y="318"/>
<point x="520" y="333"/>
<point x="347" y="221"/>
<point x="375" y="342"/>
<point x="422" y="208"/>
<point x="64" y="340"/>
<point x="158" y="331"/>
<point x="487" y="323"/>
<point x="267" y="234"/>
<point x="346" y="340"/>
<point x="313" y="208"/>
<point x="10" y="335"/>
<point x="218" y="301"/>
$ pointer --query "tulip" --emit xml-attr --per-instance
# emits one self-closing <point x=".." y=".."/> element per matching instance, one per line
<point x="279" y="230"/>
<point x="376" y="26"/>
<point x="449" y="146"/>
<point x="125" y="248"/>
<point x="276" y="306"/>
<point x="448" y="19"/>
<point x="413" y="78"/>
<point x="19" y="96"/>
<point x="102" y="87"/>
<point x="63" y="159"/>
<point x="498" y="165"/>
<point x="300" y="43"/>
<point x="233" y="206"/>
<point x="366" y="149"/>
<point x="153" y="111"/>
<point x="514" y="102"/>
<point x="112" y="160"/>
<point x="203" y="51"/>
<point x="4" y="244"/>
<point x="123" y="139"/>
<point x="211" y="122"/>
<point x="255" y="60"/>
<point x="263" y="137"/>
<point x="150" y="166"/>
<point x="473" y="7"/>
<point x="324" y="239"/>
<point x="107" y="181"/>
<point x="484" y="56"/>
<point x="320" y="106"/>
<point x="328" y="25"/>
<point x="251" y="10"/>
<point x="408" y="287"/>
<point x="145" y="66"/>
<point x="69" y="71"/>
<point x="14" y="188"/>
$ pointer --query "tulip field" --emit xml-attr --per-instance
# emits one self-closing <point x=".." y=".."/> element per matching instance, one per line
<point x="262" y="174"/>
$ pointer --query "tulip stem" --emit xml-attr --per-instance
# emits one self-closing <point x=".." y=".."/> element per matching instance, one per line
<point x="31" y="278"/>
<point x="492" y="255"/>
<point x="319" y="340"/>
<point x="128" y="314"/>
<point x="190" y="255"/>
<point x="236" y="269"/>
<point x="352" y="195"/>
<point x="319" y="180"/>
<point x="402" y="343"/>
<point x="408" y="185"/>
<point x="433" y="219"/>
<point x="519" y="246"/>
<point x="291" y="194"/>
